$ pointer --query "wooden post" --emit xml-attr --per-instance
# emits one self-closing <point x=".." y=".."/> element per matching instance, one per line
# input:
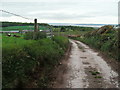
<point x="35" y="26"/>
<point x="51" y="31"/>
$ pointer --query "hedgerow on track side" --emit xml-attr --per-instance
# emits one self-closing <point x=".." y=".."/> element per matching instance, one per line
<point x="26" y="60"/>
<point x="104" y="39"/>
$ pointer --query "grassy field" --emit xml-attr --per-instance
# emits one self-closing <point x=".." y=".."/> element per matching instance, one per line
<point x="12" y="28"/>
<point x="0" y="40"/>
<point x="24" y="60"/>
<point x="72" y="31"/>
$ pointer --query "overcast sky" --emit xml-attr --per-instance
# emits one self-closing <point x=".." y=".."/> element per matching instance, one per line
<point x="62" y="11"/>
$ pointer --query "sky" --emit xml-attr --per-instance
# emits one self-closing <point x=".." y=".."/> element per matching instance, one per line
<point x="62" y="11"/>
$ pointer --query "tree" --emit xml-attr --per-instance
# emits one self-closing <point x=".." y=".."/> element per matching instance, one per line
<point x="63" y="29"/>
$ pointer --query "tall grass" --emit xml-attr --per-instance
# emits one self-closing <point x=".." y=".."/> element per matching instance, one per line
<point x="62" y="41"/>
<point x="25" y="59"/>
<point x="34" y="35"/>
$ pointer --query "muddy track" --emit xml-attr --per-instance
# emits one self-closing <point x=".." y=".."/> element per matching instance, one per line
<point x="84" y="68"/>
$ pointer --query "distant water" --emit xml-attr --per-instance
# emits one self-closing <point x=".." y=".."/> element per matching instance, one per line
<point x="82" y="25"/>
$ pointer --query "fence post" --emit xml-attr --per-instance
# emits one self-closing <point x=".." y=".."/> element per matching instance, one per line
<point x="35" y="28"/>
<point x="35" y="25"/>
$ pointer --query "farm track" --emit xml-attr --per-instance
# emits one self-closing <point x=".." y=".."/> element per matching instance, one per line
<point x="84" y="68"/>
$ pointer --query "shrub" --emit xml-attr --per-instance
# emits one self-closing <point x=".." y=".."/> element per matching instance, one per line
<point x="28" y="36"/>
<point x="62" y="41"/>
<point x="34" y="35"/>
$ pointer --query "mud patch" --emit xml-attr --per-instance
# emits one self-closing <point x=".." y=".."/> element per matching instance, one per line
<point x="83" y="57"/>
<point x="100" y="64"/>
<point x="80" y="47"/>
<point x="86" y="63"/>
<point x="94" y="78"/>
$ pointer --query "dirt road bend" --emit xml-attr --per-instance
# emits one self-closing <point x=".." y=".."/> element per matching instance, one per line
<point x="85" y="69"/>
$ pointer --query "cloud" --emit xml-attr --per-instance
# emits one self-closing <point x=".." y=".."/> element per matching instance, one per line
<point x="59" y="0"/>
<point x="64" y="10"/>
<point x="14" y="19"/>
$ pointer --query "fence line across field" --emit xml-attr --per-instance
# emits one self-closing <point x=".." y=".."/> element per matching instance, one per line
<point x="36" y="26"/>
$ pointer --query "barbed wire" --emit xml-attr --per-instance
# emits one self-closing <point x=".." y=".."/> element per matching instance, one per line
<point x="15" y="14"/>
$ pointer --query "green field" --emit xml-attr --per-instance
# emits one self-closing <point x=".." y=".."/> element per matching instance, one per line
<point x="69" y="30"/>
<point x="12" y="28"/>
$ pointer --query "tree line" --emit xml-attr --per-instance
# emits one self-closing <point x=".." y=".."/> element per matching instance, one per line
<point x="74" y="28"/>
<point x="7" y="24"/>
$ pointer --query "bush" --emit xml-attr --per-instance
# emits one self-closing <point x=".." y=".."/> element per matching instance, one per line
<point x="34" y="35"/>
<point x="62" y="41"/>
